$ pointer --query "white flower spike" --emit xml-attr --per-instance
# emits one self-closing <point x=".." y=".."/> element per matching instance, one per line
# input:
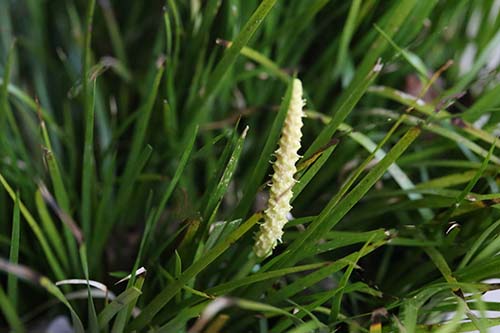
<point x="278" y="207"/>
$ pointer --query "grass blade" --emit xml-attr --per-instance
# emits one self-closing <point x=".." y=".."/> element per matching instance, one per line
<point x="217" y="194"/>
<point x="50" y="229"/>
<point x="331" y="216"/>
<point x="61" y="197"/>
<point x="336" y="302"/>
<point x="167" y="294"/>
<point x="9" y="312"/>
<point x="217" y="76"/>
<point x="120" y="302"/>
<point x="52" y="289"/>
<point x="88" y="165"/>
<point x="14" y="253"/>
<point x="53" y="263"/>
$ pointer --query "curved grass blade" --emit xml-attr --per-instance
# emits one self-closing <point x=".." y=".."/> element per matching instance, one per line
<point x="320" y="274"/>
<point x="92" y="314"/>
<point x="484" y="104"/>
<point x="330" y="216"/>
<point x="53" y="263"/>
<point x="33" y="105"/>
<point x="52" y="288"/>
<point x="440" y="262"/>
<point x="477" y="244"/>
<point x="167" y="294"/>
<point x="10" y="313"/>
<point x="257" y="277"/>
<point x="410" y="57"/>
<point x="178" y="323"/>
<point x="120" y="302"/>
<point x="394" y="170"/>
<point x="441" y="131"/>
<point x="123" y="315"/>
<point x="432" y="111"/>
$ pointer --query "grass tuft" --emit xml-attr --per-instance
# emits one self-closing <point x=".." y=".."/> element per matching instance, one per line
<point x="136" y="149"/>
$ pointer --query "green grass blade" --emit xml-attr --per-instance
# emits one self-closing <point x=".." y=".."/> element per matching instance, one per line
<point x="14" y="253"/>
<point x="330" y="216"/>
<point x="50" y="229"/>
<point x="167" y="294"/>
<point x="89" y="113"/>
<point x="52" y="289"/>
<point x="451" y="326"/>
<point x="482" y="58"/>
<point x="92" y="315"/>
<point x="470" y="185"/>
<point x="88" y="166"/>
<point x="4" y="93"/>
<point x="342" y="111"/>
<point x="131" y="170"/>
<point x="411" y="58"/>
<point x="477" y="244"/>
<point x="86" y="52"/>
<point x="365" y="72"/>
<point x="230" y="54"/>
<point x="114" y="31"/>
<point x="6" y="115"/>
<point x="179" y="322"/>
<point x="267" y="63"/>
<point x="346" y="36"/>
<point x="429" y="110"/>
<point x="32" y="104"/>
<point x="121" y="301"/>
<point x="217" y="76"/>
<point x="440" y="262"/>
<point x="217" y="194"/>
<point x="320" y="274"/>
<point x="310" y="326"/>
<point x="490" y="250"/>
<point x="484" y="104"/>
<point x="396" y="172"/>
<point x="262" y="307"/>
<point x="61" y="197"/>
<point x="331" y="128"/>
<point x="175" y="179"/>
<point x="337" y="299"/>
<point x="231" y="285"/>
<point x="441" y="131"/>
<point x="125" y="313"/>
<point x="53" y="263"/>
<point x="10" y="313"/>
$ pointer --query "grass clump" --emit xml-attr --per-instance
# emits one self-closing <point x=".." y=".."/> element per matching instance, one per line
<point x="135" y="146"/>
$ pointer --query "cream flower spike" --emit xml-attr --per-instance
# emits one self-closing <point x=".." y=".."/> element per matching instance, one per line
<point x="278" y="206"/>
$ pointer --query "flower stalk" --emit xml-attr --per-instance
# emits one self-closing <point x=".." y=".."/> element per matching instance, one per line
<point x="278" y="208"/>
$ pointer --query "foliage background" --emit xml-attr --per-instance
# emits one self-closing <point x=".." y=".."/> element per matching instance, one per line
<point x="124" y="145"/>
